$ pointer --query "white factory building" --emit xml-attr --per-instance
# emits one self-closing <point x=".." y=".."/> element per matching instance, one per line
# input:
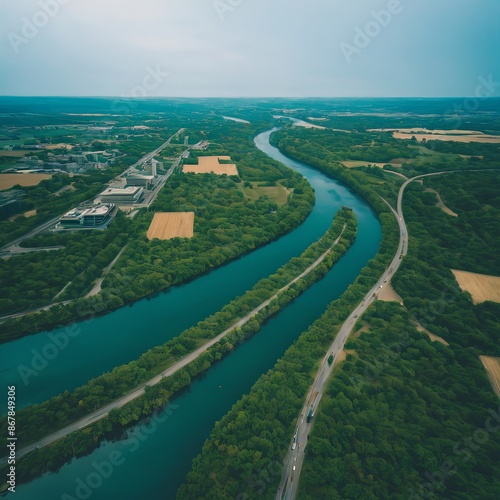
<point x="86" y="217"/>
<point x="123" y="196"/>
<point x="140" y="180"/>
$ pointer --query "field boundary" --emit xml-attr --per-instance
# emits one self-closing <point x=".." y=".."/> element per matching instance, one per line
<point x="168" y="225"/>
<point x="482" y="287"/>
<point x="492" y="367"/>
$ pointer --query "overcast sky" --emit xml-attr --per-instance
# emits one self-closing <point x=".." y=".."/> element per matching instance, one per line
<point x="204" y="48"/>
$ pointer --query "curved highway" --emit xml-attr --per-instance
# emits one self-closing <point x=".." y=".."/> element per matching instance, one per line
<point x="295" y="457"/>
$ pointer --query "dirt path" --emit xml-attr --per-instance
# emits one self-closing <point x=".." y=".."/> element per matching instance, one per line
<point x="97" y="286"/>
<point x="433" y="337"/>
<point x="440" y="203"/>
<point x="388" y="294"/>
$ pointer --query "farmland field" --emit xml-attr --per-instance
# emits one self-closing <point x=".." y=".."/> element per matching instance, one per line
<point x="9" y="180"/>
<point x="207" y="164"/>
<point x="482" y="138"/>
<point x="492" y="366"/>
<point x="167" y="225"/>
<point x="481" y="286"/>
<point x="277" y="193"/>
<point x="15" y="154"/>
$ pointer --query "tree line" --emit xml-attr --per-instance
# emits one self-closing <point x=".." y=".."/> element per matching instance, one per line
<point x="386" y="414"/>
<point x="246" y="448"/>
<point x="405" y="417"/>
<point x="227" y="225"/>
<point x="43" y="419"/>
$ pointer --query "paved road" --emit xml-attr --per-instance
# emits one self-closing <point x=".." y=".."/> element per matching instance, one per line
<point x="151" y="155"/>
<point x="295" y="457"/>
<point x="139" y="391"/>
<point x="16" y="249"/>
<point x="13" y="246"/>
<point x="97" y="286"/>
<point x="30" y="311"/>
<point x="151" y="197"/>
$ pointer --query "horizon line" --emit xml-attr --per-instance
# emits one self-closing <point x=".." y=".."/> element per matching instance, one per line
<point x="146" y="98"/>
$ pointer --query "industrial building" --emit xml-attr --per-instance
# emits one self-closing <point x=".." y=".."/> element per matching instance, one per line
<point x="86" y="217"/>
<point x="10" y="203"/>
<point x="123" y="196"/>
<point x="140" y="180"/>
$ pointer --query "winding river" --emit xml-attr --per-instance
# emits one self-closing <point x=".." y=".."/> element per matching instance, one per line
<point x="154" y="459"/>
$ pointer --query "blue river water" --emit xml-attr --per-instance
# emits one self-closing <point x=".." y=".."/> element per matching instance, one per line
<point x="154" y="458"/>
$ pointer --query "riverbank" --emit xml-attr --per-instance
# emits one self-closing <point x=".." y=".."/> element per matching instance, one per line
<point x="228" y="227"/>
<point x="187" y="421"/>
<point x="154" y="393"/>
<point x="290" y="379"/>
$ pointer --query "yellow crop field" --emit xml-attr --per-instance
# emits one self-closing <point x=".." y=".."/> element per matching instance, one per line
<point x="482" y="138"/>
<point x="168" y="225"/>
<point x="492" y="366"/>
<point x="14" y="154"/>
<point x="482" y="287"/>
<point x="207" y="164"/>
<point x="10" y="180"/>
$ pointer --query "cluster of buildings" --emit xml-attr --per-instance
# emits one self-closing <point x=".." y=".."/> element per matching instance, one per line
<point x="92" y="216"/>
<point x="10" y="202"/>
<point x="145" y="177"/>
<point x="78" y="163"/>
<point x="132" y="188"/>
<point x="128" y="195"/>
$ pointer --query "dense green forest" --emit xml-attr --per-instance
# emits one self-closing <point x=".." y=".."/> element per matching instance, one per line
<point x="438" y="243"/>
<point x="364" y="459"/>
<point x="436" y="399"/>
<point x="475" y="197"/>
<point x="403" y="418"/>
<point x="35" y="279"/>
<point x="243" y="456"/>
<point x="42" y="419"/>
<point x="334" y="147"/>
